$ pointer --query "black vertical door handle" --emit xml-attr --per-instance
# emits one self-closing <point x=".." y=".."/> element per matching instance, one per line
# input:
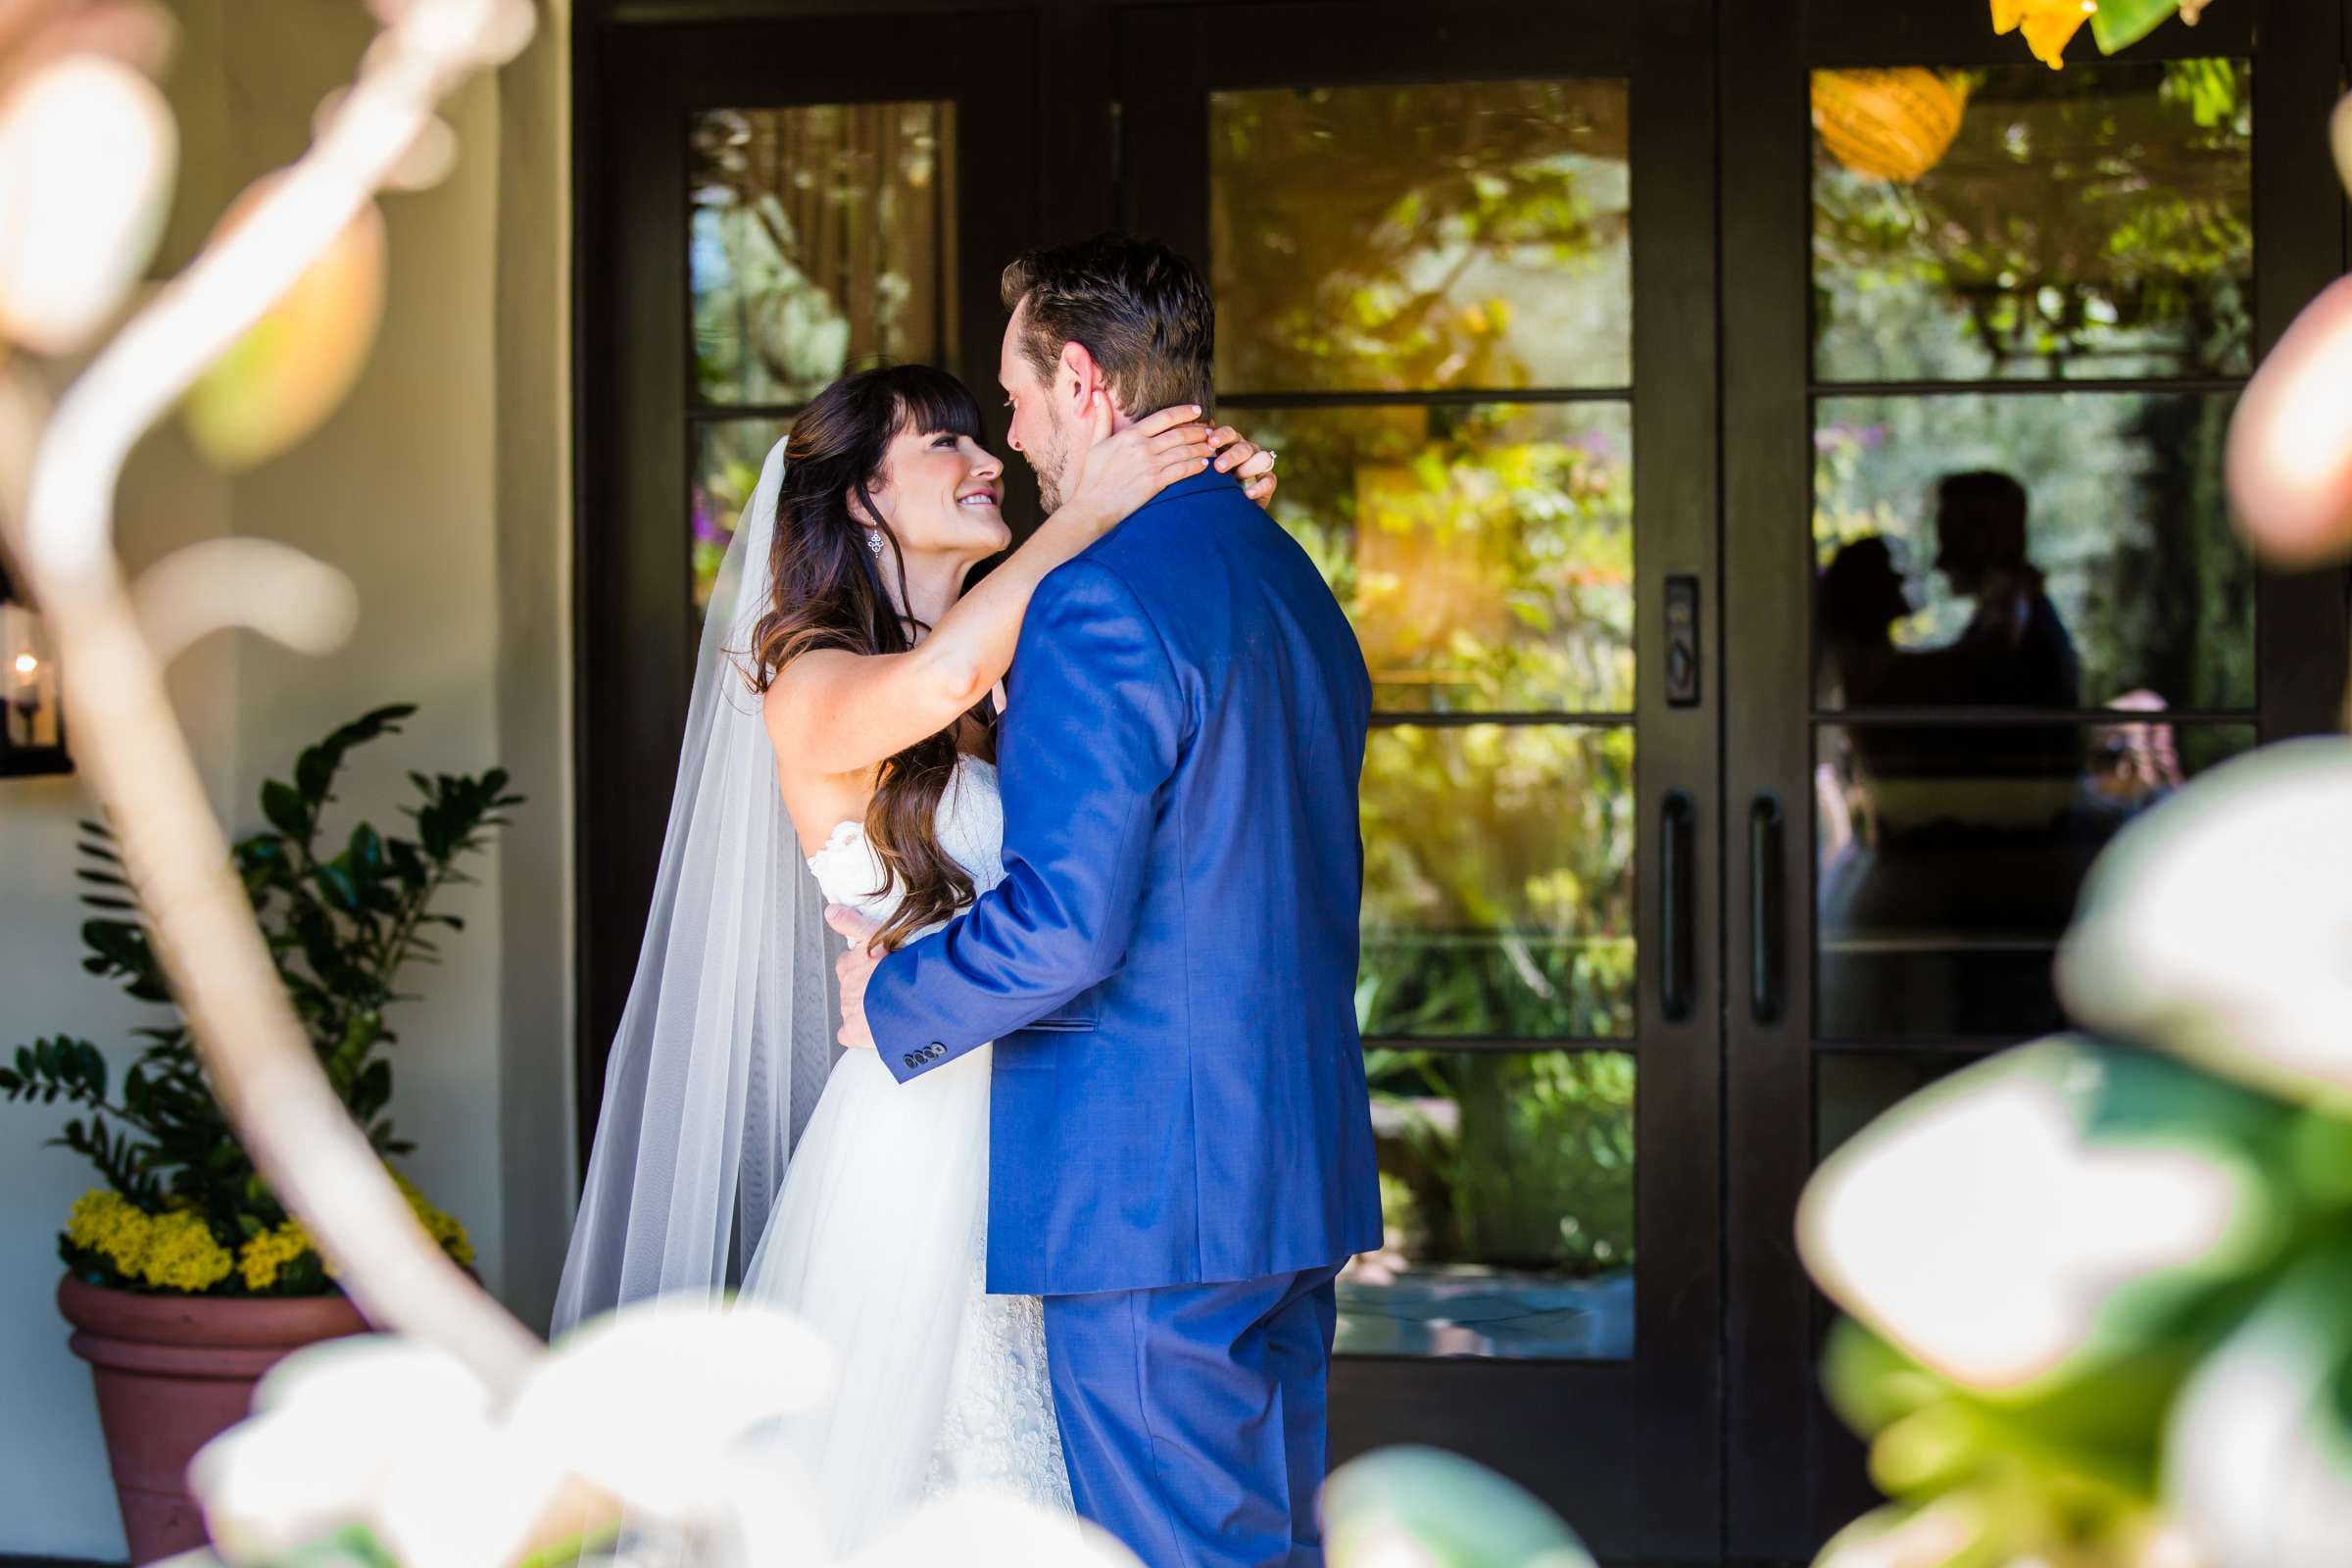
<point x="1677" y="939"/>
<point x="1767" y="925"/>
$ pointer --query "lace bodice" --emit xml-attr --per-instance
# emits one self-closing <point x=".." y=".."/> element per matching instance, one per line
<point x="971" y="827"/>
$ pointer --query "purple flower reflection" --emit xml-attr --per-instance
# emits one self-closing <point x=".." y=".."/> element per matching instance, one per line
<point x="1830" y="437"/>
<point x="706" y="526"/>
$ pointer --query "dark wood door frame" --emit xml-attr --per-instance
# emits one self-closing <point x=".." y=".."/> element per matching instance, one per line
<point x="1736" y="108"/>
<point x="634" y="629"/>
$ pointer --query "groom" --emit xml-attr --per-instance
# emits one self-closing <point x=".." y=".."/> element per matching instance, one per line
<point x="1181" y="1147"/>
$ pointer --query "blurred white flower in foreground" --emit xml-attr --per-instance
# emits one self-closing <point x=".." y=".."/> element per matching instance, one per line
<point x="2026" y="1216"/>
<point x="636" y="1439"/>
<point x="2219" y="925"/>
<point x="650" y="1403"/>
<point x="88" y="149"/>
<point x="639" y="1411"/>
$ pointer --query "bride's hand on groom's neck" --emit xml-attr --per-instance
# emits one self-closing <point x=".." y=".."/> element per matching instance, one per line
<point x="1119" y="470"/>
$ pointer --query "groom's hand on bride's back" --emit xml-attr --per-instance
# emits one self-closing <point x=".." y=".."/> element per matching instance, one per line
<point x="854" y="968"/>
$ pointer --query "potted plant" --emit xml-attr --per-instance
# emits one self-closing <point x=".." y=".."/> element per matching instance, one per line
<point x="185" y="1277"/>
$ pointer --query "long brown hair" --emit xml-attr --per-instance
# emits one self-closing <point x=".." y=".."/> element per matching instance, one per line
<point x="829" y="593"/>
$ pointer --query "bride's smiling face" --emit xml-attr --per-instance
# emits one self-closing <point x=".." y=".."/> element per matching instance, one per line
<point x="943" y="494"/>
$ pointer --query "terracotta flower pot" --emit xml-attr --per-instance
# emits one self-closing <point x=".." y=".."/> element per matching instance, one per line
<point x="173" y="1373"/>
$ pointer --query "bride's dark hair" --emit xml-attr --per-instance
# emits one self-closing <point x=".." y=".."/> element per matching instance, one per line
<point x="829" y="593"/>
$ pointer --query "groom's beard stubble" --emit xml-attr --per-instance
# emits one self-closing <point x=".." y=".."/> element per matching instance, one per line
<point x="1050" y="464"/>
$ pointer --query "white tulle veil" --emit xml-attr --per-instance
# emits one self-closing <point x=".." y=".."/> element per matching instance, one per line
<point x="728" y="1037"/>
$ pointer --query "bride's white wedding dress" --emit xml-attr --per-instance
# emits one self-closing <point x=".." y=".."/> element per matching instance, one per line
<point x="878" y="1240"/>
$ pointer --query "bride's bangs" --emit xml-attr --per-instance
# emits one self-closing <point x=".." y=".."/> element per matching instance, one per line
<point x="931" y="402"/>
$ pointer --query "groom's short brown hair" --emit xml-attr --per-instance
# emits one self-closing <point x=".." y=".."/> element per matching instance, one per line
<point x="1140" y="308"/>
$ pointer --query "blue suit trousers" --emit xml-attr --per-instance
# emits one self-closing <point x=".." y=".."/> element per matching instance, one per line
<point x="1194" y="1417"/>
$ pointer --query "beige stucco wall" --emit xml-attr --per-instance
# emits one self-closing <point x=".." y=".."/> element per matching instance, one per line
<point x="442" y="488"/>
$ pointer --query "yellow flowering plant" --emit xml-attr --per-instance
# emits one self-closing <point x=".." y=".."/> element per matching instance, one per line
<point x="182" y="1210"/>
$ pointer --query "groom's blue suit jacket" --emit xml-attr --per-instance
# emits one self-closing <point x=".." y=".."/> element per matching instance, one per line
<point x="1168" y="968"/>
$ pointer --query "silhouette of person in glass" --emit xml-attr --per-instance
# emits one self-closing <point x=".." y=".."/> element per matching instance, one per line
<point x="1860" y="598"/>
<point x="2015" y="650"/>
<point x="1956" y="851"/>
<point x="1857" y="602"/>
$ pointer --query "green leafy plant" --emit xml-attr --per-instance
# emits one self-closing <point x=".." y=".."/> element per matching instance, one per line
<point x="345" y="918"/>
<point x="1509" y="1159"/>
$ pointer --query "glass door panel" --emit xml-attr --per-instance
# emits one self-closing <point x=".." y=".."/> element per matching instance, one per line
<point x="1507" y="1184"/>
<point x="2012" y="222"/>
<point x="2025" y="355"/>
<point x="1484" y="551"/>
<point x="1406" y="237"/>
<point x="1447" y="301"/>
<point x="728" y="454"/>
<point x="1498" y="883"/>
<point x="1999" y="321"/>
<point x="2096" y="519"/>
<point x="765" y="219"/>
<point x="1986" y="542"/>
<point x="821" y="240"/>
<point x="1375" y="250"/>
<point x="1947" y="858"/>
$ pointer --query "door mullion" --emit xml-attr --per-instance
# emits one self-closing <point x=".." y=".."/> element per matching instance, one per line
<point x="1767" y="555"/>
<point x="1677" y="1190"/>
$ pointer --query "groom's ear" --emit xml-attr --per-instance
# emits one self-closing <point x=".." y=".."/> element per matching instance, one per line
<point x="1081" y="378"/>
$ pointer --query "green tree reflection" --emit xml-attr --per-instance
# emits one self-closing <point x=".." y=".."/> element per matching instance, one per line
<point x="2087" y="225"/>
<point x="2097" y="223"/>
<point x="1408" y="239"/>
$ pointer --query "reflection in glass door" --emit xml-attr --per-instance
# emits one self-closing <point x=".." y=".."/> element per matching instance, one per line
<point x="1999" y="608"/>
<point x="1376" y="251"/>
<point x="1434" y="302"/>
<point x="2025" y="358"/>
<point x="819" y="242"/>
<point x="1999" y="557"/>
<point x="2032" y="619"/>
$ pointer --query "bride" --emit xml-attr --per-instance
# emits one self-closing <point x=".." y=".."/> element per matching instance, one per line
<point x="838" y="748"/>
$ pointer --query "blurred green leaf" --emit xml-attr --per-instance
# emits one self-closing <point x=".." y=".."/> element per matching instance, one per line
<point x="1428" y="1508"/>
<point x="287" y="809"/>
<point x="2120" y="23"/>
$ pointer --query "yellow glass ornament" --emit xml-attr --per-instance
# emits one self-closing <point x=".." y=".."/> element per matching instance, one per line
<point x="1888" y="124"/>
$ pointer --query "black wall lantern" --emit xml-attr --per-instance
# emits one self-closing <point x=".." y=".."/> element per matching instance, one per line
<point x="33" y="714"/>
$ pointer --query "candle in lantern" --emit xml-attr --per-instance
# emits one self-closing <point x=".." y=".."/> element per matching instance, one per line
<point x="27" y="681"/>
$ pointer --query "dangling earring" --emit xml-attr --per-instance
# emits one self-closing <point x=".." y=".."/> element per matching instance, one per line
<point x="873" y="540"/>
